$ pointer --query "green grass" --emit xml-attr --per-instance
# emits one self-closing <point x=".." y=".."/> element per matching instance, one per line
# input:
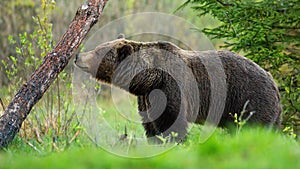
<point x="251" y="149"/>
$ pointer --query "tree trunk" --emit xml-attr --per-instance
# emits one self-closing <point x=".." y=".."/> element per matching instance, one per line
<point x="55" y="61"/>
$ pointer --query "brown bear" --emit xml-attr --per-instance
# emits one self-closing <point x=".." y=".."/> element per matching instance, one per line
<point x="175" y="86"/>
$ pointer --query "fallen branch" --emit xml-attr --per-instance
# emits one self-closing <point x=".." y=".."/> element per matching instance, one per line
<point x="55" y="61"/>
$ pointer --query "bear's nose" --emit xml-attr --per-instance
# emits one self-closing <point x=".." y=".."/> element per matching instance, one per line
<point x="76" y="57"/>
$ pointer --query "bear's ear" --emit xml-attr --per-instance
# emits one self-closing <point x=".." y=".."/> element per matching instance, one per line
<point x="121" y="36"/>
<point x="123" y="52"/>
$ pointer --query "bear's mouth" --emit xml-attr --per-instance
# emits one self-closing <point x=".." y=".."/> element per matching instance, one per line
<point x="84" y="68"/>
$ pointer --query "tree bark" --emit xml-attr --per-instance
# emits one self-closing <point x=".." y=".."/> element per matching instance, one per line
<point x="55" y="61"/>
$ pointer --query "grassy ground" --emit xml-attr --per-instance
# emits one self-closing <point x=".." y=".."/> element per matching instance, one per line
<point x="251" y="149"/>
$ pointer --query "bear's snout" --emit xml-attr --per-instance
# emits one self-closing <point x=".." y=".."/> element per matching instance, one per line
<point x="81" y="62"/>
<point x="87" y="62"/>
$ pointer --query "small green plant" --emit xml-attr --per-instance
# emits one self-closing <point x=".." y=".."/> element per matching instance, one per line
<point x="289" y="131"/>
<point x="240" y="121"/>
<point x="30" y="48"/>
<point x="168" y="139"/>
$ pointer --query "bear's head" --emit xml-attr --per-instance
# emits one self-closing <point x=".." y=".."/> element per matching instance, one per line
<point x="104" y="59"/>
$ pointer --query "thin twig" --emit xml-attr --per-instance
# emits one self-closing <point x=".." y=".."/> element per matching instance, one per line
<point x="2" y="104"/>
<point x="32" y="146"/>
<point x="58" y="119"/>
<point x="74" y="137"/>
<point x="37" y="135"/>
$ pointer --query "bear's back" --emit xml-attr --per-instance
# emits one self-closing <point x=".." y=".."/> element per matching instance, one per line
<point x="245" y="82"/>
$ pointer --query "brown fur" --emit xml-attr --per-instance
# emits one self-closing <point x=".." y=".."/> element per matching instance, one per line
<point x="164" y="106"/>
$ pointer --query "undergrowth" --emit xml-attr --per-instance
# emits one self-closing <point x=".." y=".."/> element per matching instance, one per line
<point x="250" y="149"/>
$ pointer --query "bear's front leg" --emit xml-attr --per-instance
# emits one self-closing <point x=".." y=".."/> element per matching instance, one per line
<point x="166" y="114"/>
<point x="148" y="124"/>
